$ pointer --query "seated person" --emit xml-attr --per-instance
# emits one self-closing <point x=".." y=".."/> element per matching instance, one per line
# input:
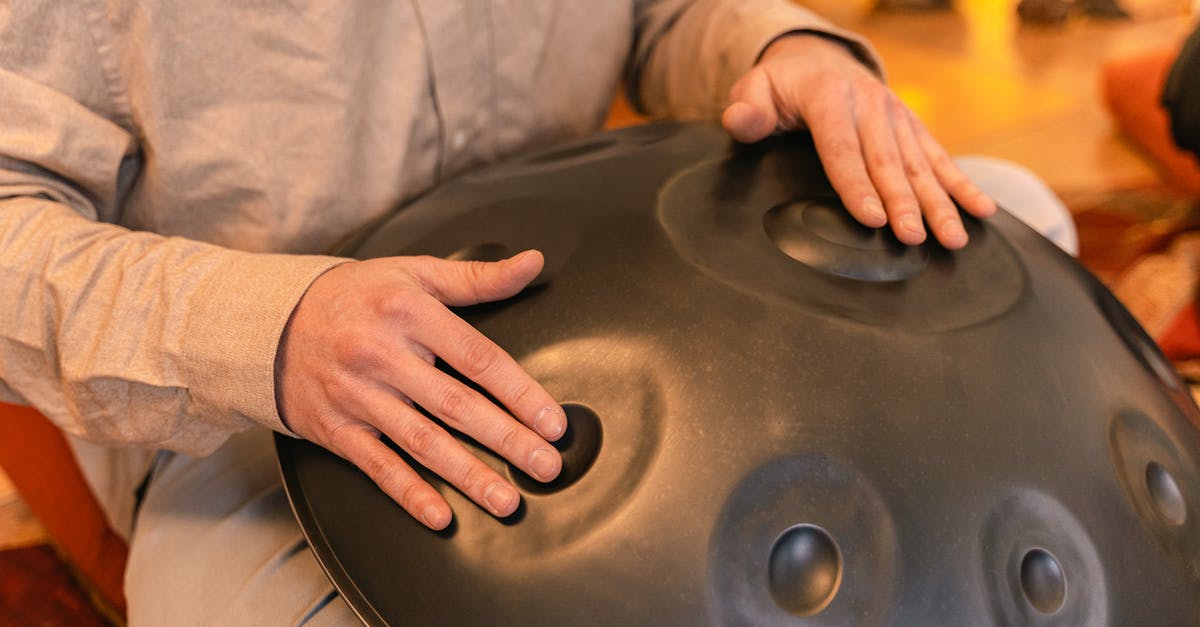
<point x="167" y="172"/>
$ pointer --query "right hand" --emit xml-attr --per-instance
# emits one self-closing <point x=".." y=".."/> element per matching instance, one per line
<point x="359" y="351"/>
<point x="882" y="161"/>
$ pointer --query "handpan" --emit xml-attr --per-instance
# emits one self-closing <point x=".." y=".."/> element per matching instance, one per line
<point x="780" y="417"/>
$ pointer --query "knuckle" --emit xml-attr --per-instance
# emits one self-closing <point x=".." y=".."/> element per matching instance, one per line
<point x="479" y="357"/>
<point x="409" y="496"/>
<point x="939" y="210"/>
<point x="421" y="439"/>
<point x="397" y="307"/>
<point x="383" y="470"/>
<point x="356" y="353"/>
<point x="519" y="392"/>
<point x="474" y="477"/>
<point x="510" y="440"/>
<point x="477" y="269"/>
<point x="453" y="403"/>
<point x="915" y="169"/>
<point x="959" y="183"/>
<point x="943" y="163"/>
<point x="474" y="271"/>
<point x="339" y="435"/>
<point x="901" y="204"/>
<point x="345" y="348"/>
<point x="843" y="90"/>
<point x="948" y="222"/>
<point x="882" y="161"/>
<point x="339" y="391"/>
<point x="483" y="279"/>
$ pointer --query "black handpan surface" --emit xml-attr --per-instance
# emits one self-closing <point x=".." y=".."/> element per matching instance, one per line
<point x="779" y="417"/>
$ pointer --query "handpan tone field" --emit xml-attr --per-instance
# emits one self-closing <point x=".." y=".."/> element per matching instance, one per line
<point x="780" y="417"/>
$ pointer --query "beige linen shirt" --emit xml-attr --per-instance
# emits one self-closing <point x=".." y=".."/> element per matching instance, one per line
<point x="166" y="165"/>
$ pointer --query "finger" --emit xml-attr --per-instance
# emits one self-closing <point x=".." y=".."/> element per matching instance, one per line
<point x="884" y="165"/>
<point x="469" y="412"/>
<point x="479" y="359"/>
<point x="940" y="213"/>
<point x="437" y="450"/>
<point x="960" y="187"/>
<point x="751" y="114"/>
<point x="364" y="449"/>
<point x="836" y="139"/>
<point x="462" y="283"/>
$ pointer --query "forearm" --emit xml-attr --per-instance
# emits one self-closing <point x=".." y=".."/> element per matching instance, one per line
<point x="131" y="337"/>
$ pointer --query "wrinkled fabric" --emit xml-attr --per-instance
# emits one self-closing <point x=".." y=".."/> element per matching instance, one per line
<point x="168" y="168"/>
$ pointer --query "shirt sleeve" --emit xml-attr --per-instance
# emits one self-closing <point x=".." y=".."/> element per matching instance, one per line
<point x="115" y="335"/>
<point x="689" y="53"/>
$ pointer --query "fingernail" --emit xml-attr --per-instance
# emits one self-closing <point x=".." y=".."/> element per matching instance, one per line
<point x="544" y="464"/>
<point x="551" y="422"/>
<point x="432" y="517"/>
<point x="873" y="209"/>
<point x="500" y="498"/>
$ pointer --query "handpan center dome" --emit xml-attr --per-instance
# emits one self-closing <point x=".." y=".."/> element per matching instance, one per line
<point x="821" y="234"/>
<point x="780" y="417"/>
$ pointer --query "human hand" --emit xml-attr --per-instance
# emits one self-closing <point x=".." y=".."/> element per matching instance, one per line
<point x="882" y="161"/>
<point x="359" y="351"/>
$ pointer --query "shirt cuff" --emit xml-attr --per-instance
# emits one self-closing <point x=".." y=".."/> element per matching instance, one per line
<point x="232" y="331"/>
<point x="854" y="44"/>
<point x="762" y="27"/>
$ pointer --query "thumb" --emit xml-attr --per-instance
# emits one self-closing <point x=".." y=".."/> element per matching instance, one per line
<point x="461" y="283"/>
<point x="751" y="114"/>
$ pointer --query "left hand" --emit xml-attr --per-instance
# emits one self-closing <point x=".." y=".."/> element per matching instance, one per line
<point x="882" y="161"/>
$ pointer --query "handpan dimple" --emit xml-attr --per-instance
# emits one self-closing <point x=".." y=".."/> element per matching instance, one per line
<point x="1043" y="581"/>
<point x="1158" y="473"/>
<point x="1165" y="493"/>
<point x="804" y="536"/>
<point x="822" y="235"/>
<point x="805" y="570"/>
<point x="1040" y="564"/>
<point x="579" y="446"/>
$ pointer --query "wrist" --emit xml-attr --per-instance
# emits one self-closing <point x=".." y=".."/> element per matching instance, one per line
<point x="807" y="44"/>
<point x="817" y="47"/>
